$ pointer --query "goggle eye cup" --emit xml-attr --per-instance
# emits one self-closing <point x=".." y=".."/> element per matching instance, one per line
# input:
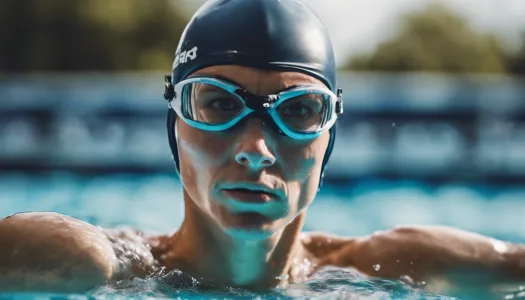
<point x="194" y="108"/>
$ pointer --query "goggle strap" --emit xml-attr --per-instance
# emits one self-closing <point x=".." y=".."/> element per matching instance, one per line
<point x="169" y="89"/>
<point x="339" y="103"/>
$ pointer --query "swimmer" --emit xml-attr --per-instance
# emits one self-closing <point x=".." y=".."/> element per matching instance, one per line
<point x="252" y="110"/>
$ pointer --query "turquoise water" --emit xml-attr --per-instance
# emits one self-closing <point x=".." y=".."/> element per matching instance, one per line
<point x="154" y="203"/>
<point x="329" y="284"/>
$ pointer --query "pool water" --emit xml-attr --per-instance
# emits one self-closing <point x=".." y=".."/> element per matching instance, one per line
<point x="331" y="283"/>
<point x="154" y="203"/>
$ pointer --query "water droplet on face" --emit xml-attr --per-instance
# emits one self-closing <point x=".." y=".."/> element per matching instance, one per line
<point x="377" y="267"/>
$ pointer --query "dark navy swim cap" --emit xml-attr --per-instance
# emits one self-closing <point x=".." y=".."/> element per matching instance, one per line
<point x="265" y="34"/>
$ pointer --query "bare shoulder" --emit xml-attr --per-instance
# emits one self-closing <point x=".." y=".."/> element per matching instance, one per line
<point x="445" y="244"/>
<point x="55" y="252"/>
<point x="422" y="252"/>
<point x="329" y="249"/>
<point x="46" y="250"/>
<point x="445" y="259"/>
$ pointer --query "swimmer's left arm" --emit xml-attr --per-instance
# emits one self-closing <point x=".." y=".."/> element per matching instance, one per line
<point x="438" y="248"/>
<point x="434" y="253"/>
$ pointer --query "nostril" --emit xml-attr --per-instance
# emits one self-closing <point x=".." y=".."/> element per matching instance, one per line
<point x="267" y="162"/>
<point x="243" y="161"/>
<point x="254" y="161"/>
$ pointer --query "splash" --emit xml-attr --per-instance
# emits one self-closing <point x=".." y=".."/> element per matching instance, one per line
<point x="329" y="283"/>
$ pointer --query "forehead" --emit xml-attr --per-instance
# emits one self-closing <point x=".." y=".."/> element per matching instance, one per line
<point x="259" y="81"/>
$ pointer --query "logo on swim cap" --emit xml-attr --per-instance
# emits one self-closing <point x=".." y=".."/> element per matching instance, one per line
<point x="184" y="56"/>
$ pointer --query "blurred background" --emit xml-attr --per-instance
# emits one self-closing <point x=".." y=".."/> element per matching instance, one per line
<point x="433" y="130"/>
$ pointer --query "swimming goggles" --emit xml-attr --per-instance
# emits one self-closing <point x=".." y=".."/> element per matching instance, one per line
<point x="215" y="104"/>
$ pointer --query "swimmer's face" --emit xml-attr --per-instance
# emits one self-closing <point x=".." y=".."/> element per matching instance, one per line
<point x="219" y="169"/>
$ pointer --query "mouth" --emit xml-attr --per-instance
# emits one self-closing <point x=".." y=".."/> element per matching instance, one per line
<point x="249" y="199"/>
<point x="249" y="192"/>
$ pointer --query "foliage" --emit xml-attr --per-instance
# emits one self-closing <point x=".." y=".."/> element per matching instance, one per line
<point x="516" y="61"/>
<point x="435" y="39"/>
<point x="88" y="35"/>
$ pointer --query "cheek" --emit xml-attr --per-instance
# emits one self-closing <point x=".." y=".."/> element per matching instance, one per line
<point x="302" y="166"/>
<point x="201" y="153"/>
<point x="302" y="161"/>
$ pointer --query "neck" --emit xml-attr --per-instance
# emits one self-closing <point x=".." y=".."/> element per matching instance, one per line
<point x="201" y="249"/>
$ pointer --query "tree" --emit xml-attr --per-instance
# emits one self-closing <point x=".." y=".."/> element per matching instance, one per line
<point x="434" y="39"/>
<point x="87" y="35"/>
<point x="516" y="61"/>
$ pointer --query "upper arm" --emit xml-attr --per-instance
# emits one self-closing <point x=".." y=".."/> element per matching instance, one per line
<point x="49" y="251"/>
<point x="425" y="251"/>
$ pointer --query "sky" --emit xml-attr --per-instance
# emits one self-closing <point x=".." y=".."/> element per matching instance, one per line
<point x="357" y="26"/>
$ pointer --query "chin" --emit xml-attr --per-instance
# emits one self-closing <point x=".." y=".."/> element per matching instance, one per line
<point x="250" y="226"/>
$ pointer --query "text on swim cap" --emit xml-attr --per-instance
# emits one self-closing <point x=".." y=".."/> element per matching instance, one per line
<point x="184" y="56"/>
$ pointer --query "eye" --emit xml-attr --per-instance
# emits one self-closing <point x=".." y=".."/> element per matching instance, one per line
<point x="224" y="104"/>
<point x="296" y="110"/>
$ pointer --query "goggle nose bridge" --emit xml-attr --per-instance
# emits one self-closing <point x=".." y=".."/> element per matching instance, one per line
<point x="260" y="106"/>
<point x="256" y="102"/>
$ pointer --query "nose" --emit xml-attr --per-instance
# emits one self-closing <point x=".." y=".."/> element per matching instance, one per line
<point x="253" y="150"/>
<point x="254" y="161"/>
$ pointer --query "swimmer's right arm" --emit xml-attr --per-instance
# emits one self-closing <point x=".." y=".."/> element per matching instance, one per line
<point x="55" y="253"/>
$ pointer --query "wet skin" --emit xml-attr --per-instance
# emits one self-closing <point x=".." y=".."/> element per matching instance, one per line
<point x="234" y="237"/>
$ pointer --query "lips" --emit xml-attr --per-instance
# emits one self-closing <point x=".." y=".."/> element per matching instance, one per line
<point x="249" y="199"/>
<point x="248" y="192"/>
<point x="248" y="195"/>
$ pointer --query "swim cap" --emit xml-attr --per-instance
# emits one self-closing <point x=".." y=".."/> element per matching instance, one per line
<point x="264" y="34"/>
